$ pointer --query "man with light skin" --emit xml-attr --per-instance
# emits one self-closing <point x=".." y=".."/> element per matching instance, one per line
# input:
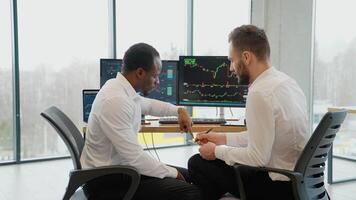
<point x="112" y="135"/>
<point x="276" y="118"/>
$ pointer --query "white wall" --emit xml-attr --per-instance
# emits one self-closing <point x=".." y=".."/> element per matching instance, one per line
<point x="289" y="27"/>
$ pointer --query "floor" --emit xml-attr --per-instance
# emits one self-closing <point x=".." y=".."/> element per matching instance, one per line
<point x="47" y="180"/>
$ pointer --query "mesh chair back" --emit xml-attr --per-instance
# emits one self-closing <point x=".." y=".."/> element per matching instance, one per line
<point x="312" y="160"/>
<point x="67" y="131"/>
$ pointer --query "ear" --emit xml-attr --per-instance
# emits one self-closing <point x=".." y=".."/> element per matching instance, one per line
<point x="140" y="73"/>
<point x="246" y="57"/>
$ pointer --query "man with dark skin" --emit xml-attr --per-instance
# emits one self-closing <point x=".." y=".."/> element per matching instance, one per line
<point x="113" y="127"/>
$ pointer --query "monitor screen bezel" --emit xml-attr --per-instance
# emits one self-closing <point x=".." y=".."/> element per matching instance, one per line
<point x="200" y="104"/>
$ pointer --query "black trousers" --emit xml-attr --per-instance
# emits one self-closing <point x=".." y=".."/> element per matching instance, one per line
<point x="115" y="186"/>
<point x="215" y="178"/>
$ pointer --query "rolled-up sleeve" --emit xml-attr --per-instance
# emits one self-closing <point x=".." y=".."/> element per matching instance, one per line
<point x="116" y="123"/>
<point x="260" y="135"/>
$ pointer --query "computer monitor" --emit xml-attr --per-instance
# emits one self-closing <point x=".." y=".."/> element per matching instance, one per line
<point x="109" y="69"/>
<point x="168" y="78"/>
<point x="207" y="81"/>
<point x="167" y="89"/>
<point x="88" y="99"/>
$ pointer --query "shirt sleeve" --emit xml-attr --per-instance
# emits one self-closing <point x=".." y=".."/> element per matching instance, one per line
<point x="116" y="123"/>
<point x="261" y="134"/>
<point x="157" y="108"/>
<point x="239" y="139"/>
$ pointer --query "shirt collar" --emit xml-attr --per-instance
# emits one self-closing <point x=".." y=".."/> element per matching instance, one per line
<point x="130" y="91"/>
<point x="262" y="75"/>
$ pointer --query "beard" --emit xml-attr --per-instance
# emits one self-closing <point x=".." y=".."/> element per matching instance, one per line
<point x="244" y="76"/>
<point x="146" y="91"/>
<point x="147" y="87"/>
<point x="244" y="79"/>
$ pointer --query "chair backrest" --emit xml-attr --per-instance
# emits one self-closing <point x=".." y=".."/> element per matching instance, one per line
<point x="311" y="163"/>
<point x="67" y="131"/>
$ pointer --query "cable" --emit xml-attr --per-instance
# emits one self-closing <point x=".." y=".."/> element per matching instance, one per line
<point x="232" y="114"/>
<point x="144" y="139"/>
<point x="154" y="148"/>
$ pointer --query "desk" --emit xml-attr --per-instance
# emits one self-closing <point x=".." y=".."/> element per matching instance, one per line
<point x="155" y="127"/>
<point x="350" y="110"/>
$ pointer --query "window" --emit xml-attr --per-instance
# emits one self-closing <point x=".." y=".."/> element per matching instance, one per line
<point x="213" y="21"/>
<point x="6" y="122"/>
<point x="335" y="68"/>
<point x="60" y="44"/>
<point x="159" y="23"/>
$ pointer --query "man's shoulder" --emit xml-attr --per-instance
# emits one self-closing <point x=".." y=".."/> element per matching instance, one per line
<point x="111" y="96"/>
<point x="274" y="82"/>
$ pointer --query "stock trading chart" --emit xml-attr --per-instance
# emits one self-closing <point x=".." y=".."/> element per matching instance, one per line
<point x="166" y="91"/>
<point x="207" y="80"/>
<point x="109" y="69"/>
<point x="88" y="99"/>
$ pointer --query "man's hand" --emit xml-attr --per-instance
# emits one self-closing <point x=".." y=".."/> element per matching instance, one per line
<point x="207" y="151"/>
<point x="216" y="138"/>
<point x="185" y="123"/>
<point x="180" y="177"/>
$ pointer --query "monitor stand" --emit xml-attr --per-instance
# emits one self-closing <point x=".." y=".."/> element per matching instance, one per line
<point x="222" y="113"/>
<point x="231" y="123"/>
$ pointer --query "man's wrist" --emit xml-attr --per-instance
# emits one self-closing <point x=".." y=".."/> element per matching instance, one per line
<point x="224" y="139"/>
<point x="182" y="111"/>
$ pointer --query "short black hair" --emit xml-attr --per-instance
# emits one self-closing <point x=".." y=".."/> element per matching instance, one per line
<point x="139" y="55"/>
<point x="251" y="38"/>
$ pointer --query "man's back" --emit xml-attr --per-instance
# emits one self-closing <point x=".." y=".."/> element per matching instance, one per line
<point x="98" y="150"/>
<point x="288" y="105"/>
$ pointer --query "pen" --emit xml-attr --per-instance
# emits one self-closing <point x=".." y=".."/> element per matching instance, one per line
<point x="206" y="132"/>
<point x="210" y="129"/>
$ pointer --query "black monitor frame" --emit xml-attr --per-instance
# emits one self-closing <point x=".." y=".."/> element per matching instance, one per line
<point x="180" y="85"/>
<point x="85" y="92"/>
<point x="120" y="60"/>
<point x="101" y="66"/>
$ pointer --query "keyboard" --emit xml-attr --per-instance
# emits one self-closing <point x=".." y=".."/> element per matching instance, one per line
<point x="174" y="120"/>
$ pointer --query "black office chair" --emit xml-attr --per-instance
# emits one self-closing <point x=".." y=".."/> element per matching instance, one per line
<point x="79" y="177"/>
<point x="307" y="179"/>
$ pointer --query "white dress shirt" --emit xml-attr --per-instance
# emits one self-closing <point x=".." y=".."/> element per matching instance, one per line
<point x="113" y="126"/>
<point x="277" y="125"/>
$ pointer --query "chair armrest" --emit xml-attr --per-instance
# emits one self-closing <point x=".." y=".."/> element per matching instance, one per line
<point x="295" y="177"/>
<point x="78" y="178"/>
<point x="290" y="174"/>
